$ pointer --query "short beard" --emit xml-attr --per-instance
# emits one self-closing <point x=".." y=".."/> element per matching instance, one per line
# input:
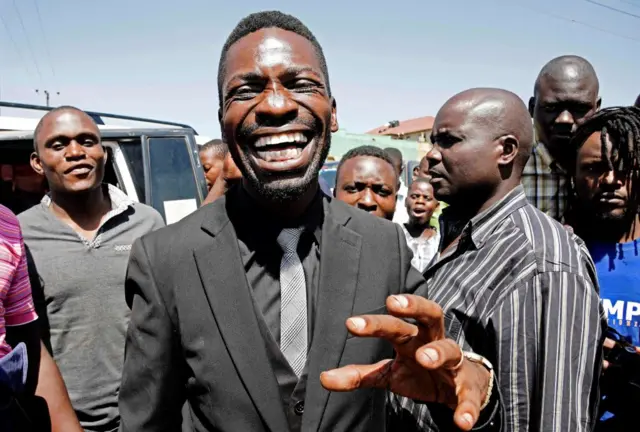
<point x="289" y="190"/>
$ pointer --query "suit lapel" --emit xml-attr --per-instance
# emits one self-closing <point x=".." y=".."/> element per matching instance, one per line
<point x="339" y="264"/>
<point x="225" y="284"/>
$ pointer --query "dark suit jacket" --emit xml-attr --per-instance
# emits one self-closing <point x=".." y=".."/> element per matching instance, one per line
<point x="194" y="334"/>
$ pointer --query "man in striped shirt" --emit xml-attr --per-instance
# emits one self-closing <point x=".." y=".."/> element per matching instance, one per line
<point x="566" y="91"/>
<point x="18" y="324"/>
<point x="516" y="287"/>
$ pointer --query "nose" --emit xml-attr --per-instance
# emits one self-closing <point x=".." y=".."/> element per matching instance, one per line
<point x="610" y="178"/>
<point x="367" y="201"/>
<point x="276" y="107"/>
<point x="74" y="150"/>
<point x="434" y="157"/>
<point x="565" y="117"/>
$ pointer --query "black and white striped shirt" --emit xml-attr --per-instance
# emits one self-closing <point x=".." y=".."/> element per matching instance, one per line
<point x="522" y="291"/>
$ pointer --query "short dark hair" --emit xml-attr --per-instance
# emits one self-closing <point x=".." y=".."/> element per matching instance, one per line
<point x="268" y="19"/>
<point x="394" y="153"/>
<point x="50" y="113"/>
<point x="422" y="180"/>
<point x="218" y="146"/>
<point x="365" y="150"/>
<point x="637" y="102"/>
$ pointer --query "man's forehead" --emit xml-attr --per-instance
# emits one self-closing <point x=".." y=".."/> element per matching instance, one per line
<point x="451" y="116"/>
<point x="568" y="87"/>
<point x="269" y="48"/>
<point x="67" y="122"/>
<point x="421" y="187"/>
<point x="367" y="165"/>
<point x="592" y="147"/>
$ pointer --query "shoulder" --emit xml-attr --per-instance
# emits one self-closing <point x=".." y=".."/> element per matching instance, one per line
<point x="370" y="228"/>
<point x="186" y="231"/>
<point x="7" y="218"/>
<point x="147" y="213"/>
<point x="32" y="219"/>
<point x="10" y="232"/>
<point x="555" y="247"/>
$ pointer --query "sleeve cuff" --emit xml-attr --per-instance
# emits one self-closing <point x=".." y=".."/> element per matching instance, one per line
<point x="491" y="416"/>
<point x="22" y="319"/>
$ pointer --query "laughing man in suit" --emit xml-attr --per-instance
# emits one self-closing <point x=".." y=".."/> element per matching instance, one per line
<point x="239" y="310"/>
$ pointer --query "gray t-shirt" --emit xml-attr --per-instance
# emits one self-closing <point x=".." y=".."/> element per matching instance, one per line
<point x="83" y="288"/>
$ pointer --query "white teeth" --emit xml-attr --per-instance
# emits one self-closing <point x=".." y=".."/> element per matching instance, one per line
<point x="279" y="155"/>
<point x="296" y="137"/>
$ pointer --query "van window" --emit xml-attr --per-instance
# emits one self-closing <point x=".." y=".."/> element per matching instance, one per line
<point x="174" y="188"/>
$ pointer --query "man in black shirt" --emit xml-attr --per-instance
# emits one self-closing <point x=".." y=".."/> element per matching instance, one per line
<point x="239" y="310"/>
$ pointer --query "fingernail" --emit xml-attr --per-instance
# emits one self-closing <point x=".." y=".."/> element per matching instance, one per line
<point x="401" y="300"/>
<point x="466" y="417"/>
<point x="430" y="354"/>
<point x="358" y="323"/>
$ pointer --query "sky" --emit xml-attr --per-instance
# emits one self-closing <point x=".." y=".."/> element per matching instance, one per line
<point x="387" y="60"/>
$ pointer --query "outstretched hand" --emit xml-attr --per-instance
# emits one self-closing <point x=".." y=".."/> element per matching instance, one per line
<point x="427" y="367"/>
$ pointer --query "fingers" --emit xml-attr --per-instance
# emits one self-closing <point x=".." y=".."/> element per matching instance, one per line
<point x="443" y="353"/>
<point x="609" y="343"/>
<point x="426" y="312"/>
<point x="466" y="414"/>
<point x="353" y="377"/>
<point x="387" y="327"/>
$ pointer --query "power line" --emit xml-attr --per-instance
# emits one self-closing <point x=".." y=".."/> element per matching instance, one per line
<point x="15" y="45"/>
<point x="26" y="35"/>
<point x="630" y="3"/>
<point x="613" y="9"/>
<point x="44" y="38"/>
<point x="574" y="21"/>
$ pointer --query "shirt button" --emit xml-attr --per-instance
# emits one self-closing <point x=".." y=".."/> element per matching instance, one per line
<point x="298" y="408"/>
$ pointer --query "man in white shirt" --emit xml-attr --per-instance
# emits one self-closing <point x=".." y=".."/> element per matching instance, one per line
<point x="401" y="216"/>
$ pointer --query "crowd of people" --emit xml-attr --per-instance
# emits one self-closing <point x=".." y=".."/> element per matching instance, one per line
<point x="498" y="291"/>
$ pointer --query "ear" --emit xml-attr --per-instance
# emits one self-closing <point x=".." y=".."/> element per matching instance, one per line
<point x="222" y="137"/>
<point x="598" y="104"/>
<point x="510" y="147"/>
<point x="36" y="163"/>
<point x="532" y="105"/>
<point x="334" y="116"/>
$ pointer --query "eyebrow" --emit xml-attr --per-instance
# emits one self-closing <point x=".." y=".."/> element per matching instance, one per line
<point x="62" y="137"/>
<point x="255" y="76"/>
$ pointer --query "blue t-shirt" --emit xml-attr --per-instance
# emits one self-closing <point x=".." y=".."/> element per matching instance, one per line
<point x="618" y="268"/>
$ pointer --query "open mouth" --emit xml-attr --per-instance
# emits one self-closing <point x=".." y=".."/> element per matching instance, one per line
<point x="418" y="212"/>
<point x="282" y="152"/>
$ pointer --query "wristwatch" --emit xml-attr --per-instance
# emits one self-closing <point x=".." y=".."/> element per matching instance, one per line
<point x="476" y="358"/>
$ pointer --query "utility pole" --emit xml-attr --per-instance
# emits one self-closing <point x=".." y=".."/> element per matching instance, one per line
<point x="47" y="95"/>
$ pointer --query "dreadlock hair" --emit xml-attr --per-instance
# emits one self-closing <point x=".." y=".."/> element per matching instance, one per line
<point x="622" y="126"/>
<point x="270" y="19"/>
<point x="365" y="150"/>
<point x="218" y="146"/>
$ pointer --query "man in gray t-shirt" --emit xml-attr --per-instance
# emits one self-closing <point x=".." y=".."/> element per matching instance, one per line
<point x="78" y="239"/>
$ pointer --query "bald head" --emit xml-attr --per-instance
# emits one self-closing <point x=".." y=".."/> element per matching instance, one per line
<point x="482" y="138"/>
<point x="51" y="117"/>
<point x="568" y="68"/>
<point x="497" y="113"/>
<point x="565" y="92"/>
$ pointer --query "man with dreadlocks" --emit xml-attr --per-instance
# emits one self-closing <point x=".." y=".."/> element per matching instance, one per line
<point x="604" y="212"/>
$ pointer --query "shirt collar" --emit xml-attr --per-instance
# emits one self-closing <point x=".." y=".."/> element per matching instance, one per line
<point x="250" y="221"/>
<point x="481" y="226"/>
<point x="120" y="202"/>
<point x="547" y="159"/>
